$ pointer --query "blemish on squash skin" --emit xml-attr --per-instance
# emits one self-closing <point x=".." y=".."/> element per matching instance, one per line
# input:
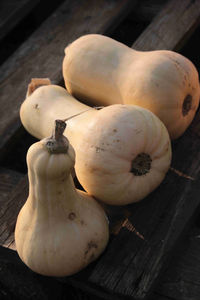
<point x="92" y="169"/>
<point x="72" y="216"/>
<point x="99" y="149"/>
<point x="36" y="106"/>
<point x="64" y="177"/>
<point x="187" y="105"/>
<point x="90" y="246"/>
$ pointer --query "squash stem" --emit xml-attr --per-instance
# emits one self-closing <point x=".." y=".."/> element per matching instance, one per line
<point x="59" y="130"/>
<point x="141" y="165"/>
<point x="58" y="143"/>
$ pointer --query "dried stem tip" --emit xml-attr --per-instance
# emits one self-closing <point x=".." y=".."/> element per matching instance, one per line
<point x="59" y="129"/>
<point x="58" y="143"/>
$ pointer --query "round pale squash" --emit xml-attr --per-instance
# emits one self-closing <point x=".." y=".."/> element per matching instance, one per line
<point x="122" y="151"/>
<point x="101" y="71"/>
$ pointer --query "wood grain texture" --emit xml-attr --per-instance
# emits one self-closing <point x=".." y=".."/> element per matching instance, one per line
<point x="171" y="27"/>
<point x="19" y="282"/>
<point x="181" y="281"/>
<point x="42" y="54"/>
<point x="9" y="212"/>
<point x="133" y="272"/>
<point x="8" y="180"/>
<point x="147" y="10"/>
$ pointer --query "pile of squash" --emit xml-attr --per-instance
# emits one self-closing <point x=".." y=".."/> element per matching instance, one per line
<point x="114" y="123"/>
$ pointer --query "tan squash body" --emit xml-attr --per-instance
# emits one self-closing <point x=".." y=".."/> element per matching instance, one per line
<point x="101" y="71"/>
<point x="60" y="229"/>
<point x="110" y="143"/>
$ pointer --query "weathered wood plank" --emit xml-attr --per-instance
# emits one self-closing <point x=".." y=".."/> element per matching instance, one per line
<point x="134" y="272"/>
<point x="181" y="281"/>
<point x="42" y="54"/>
<point x="146" y="10"/>
<point x="171" y="27"/>
<point x="21" y="283"/>
<point x="9" y="212"/>
<point x="11" y="12"/>
<point x="8" y="180"/>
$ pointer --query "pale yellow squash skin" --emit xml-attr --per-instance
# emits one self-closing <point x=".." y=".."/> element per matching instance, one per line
<point x="60" y="229"/>
<point x="101" y="71"/>
<point x="106" y="143"/>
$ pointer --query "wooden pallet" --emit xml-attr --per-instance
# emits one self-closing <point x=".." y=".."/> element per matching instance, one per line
<point x="145" y="237"/>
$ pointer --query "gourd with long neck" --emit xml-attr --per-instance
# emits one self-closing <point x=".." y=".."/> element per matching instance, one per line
<point x="60" y="229"/>
<point x="102" y="71"/>
<point x="122" y="151"/>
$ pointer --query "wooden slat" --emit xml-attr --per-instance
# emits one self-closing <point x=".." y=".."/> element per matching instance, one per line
<point x="12" y="12"/>
<point x="9" y="212"/>
<point x="171" y="27"/>
<point x="182" y="279"/>
<point x="20" y="283"/>
<point x="132" y="262"/>
<point x="8" y="180"/>
<point x="146" y="10"/>
<point x="42" y="54"/>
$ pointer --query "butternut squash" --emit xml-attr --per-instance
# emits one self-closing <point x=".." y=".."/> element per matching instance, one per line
<point x="122" y="151"/>
<point x="101" y="71"/>
<point x="59" y="230"/>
